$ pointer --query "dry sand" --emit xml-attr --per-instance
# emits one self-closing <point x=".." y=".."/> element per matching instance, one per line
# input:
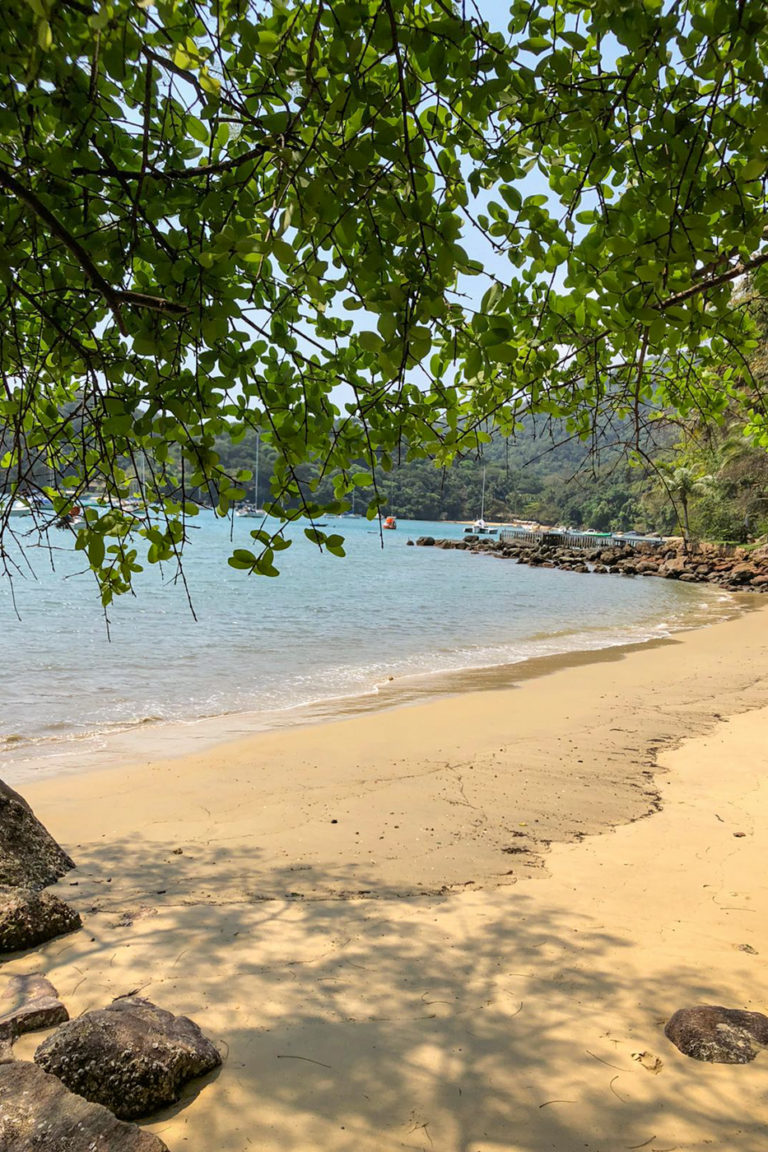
<point x="366" y="917"/>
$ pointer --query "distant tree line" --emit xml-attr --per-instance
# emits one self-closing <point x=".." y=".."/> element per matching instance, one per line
<point x="540" y="474"/>
<point x="701" y="479"/>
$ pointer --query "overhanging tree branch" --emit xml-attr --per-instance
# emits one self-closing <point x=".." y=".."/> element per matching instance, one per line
<point x="705" y="286"/>
<point x="28" y="197"/>
<point x="115" y="297"/>
<point x="216" y="169"/>
<point x="373" y="145"/>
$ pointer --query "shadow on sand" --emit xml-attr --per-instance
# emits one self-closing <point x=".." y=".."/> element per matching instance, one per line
<point x="469" y="1022"/>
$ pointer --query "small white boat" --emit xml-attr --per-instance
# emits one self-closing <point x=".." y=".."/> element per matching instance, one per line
<point x="251" y="510"/>
<point x="479" y="527"/>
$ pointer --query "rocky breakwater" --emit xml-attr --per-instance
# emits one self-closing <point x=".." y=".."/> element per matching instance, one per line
<point x="728" y="566"/>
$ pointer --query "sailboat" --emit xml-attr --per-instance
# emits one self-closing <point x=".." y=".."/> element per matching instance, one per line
<point x="480" y="528"/>
<point x="253" y="509"/>
<point x="352" y="514"/>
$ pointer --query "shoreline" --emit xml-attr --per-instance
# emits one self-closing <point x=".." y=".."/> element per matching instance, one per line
<point x="450" y="923"/>
<point x="577" y="767"/>
<point x="26" y="760"/>
<point x="171" y="738"/>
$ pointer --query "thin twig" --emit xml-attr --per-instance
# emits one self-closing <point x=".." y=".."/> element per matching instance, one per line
<point x="308" y="1060"/>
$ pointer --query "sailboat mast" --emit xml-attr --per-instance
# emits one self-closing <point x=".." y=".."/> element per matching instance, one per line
<point x="482" y="498"/>
<point x="256" y="473"/>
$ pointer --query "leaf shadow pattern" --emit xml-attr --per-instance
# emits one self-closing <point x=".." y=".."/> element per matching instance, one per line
<point x="474" y="1021"/>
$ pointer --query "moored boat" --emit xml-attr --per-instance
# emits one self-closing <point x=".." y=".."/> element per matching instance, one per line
<point x="251" y="510"/>
<point x="479" y="527"/>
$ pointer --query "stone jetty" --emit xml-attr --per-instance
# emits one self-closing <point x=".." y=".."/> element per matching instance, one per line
<point x="729" y="566"/>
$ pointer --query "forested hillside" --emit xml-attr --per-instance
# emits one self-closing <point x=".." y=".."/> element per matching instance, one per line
<point x="710" y="475"/>
<point x="541" y="473"/>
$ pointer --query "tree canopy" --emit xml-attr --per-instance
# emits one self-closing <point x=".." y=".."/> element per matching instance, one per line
<point x="358" y="224"/>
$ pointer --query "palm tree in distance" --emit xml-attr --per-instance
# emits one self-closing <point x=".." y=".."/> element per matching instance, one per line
<point x="682" y="485"/>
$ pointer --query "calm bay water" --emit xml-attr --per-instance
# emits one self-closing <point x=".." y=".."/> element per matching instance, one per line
<point x="326" y="628"/>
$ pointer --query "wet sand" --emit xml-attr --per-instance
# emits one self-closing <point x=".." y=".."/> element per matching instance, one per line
<point x="368" y="916"/>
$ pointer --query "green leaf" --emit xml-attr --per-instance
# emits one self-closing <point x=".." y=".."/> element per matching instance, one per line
<point x="44" y="35"/>
<point x="754" y="169"/>
<point x="370" y="341"/>
<point x="242" y="558"/>
<point x="197" y="130"/>
<point x="96" y="549"/>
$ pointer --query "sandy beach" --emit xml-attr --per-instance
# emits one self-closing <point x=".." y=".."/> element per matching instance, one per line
<point x="456" y="924"/>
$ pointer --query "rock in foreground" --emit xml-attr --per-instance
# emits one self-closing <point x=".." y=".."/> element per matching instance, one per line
<point x="132" y="1057"/>
<point x="27" y="1003"/>
<point x="718" y="1035"/>
<point x="38" y="1112"/>
<point x="29" y="856"/>
<point x="29" y="918"/>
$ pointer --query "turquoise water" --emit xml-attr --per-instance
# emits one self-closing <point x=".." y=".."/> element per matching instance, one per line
<point x="326" y="628"/>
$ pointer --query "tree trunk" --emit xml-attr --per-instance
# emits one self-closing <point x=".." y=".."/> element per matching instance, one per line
<point x="686" y="524"/>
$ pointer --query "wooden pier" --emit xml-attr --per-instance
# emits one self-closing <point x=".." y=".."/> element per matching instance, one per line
<point x="585" y="540"/>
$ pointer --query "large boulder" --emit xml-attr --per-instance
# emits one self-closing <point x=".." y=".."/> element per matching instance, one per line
<point x="718" y="1035"/>
<point x="28" y="1003"/>
<point x="743" y="573"/>
<point x="38" y="1113"/>
<point x="673" y="568"/>
<point x="29" y="856"/>
<point x="29" y="918"/>
<point x="132" y="1056"/>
